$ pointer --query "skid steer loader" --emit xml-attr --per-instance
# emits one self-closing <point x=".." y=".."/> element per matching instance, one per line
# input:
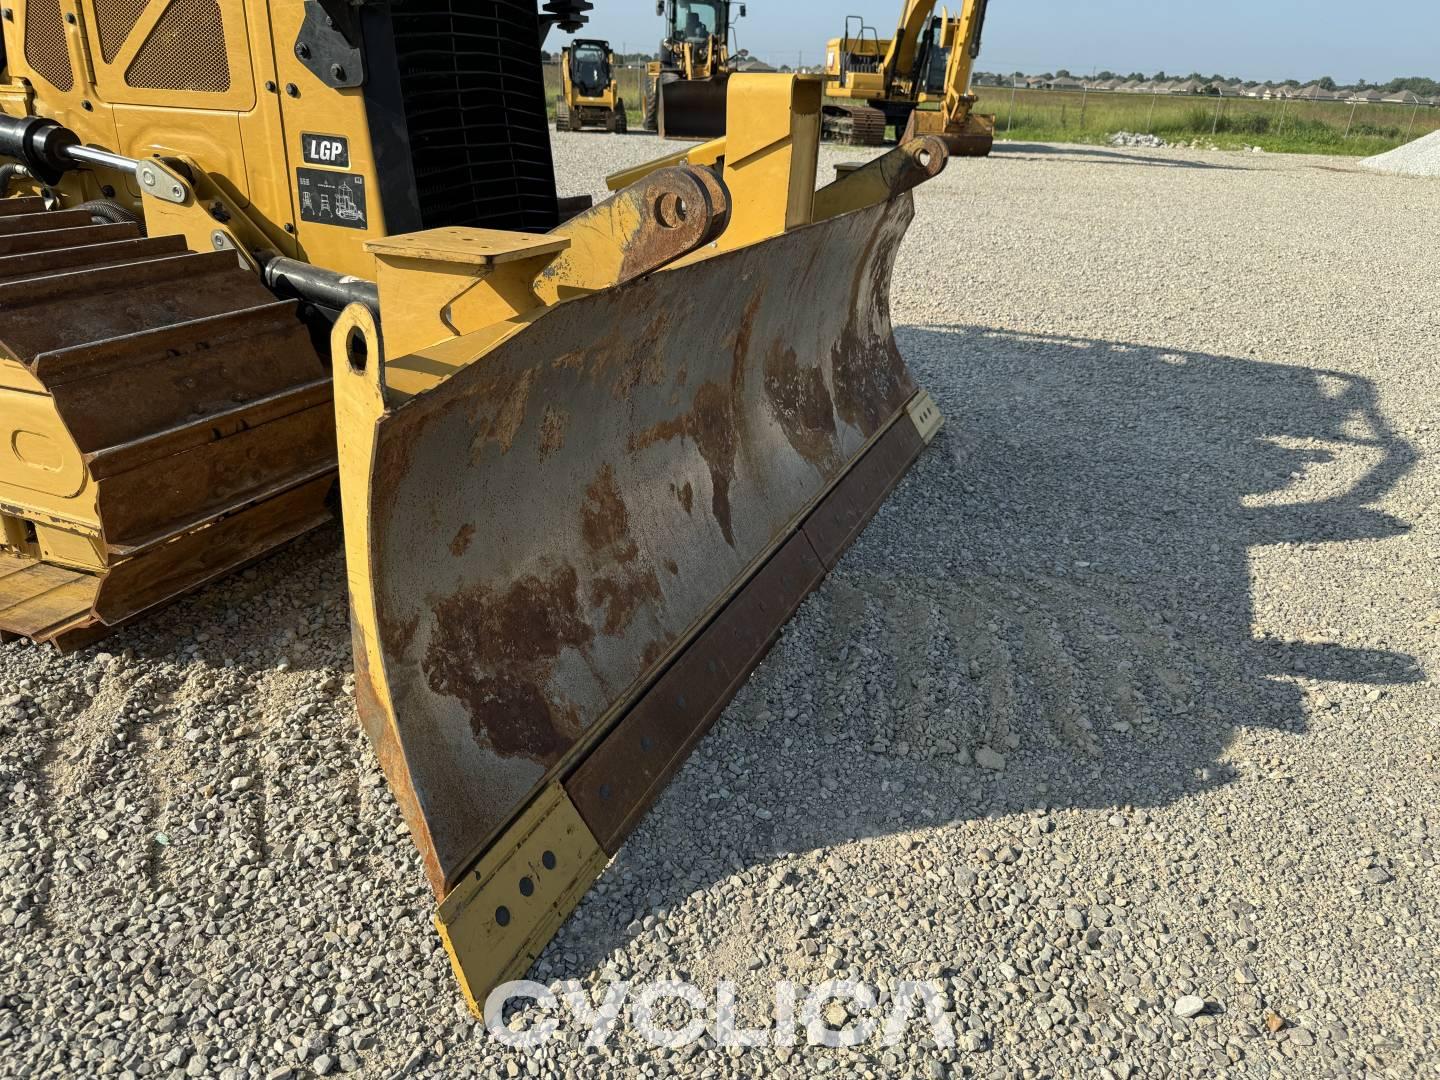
<point x="588" y="467"/>
<point x="589" y="89"/>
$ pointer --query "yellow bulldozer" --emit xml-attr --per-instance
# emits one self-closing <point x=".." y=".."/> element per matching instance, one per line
<point x="685" y="87"/>
<point x="893" y="82"/>
<point x="590" y="459"/>
<point x="589" y="88"/>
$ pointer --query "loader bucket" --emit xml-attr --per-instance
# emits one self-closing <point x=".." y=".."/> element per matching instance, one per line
<point x="574" y="526"/>
<point x="693" y="108"/>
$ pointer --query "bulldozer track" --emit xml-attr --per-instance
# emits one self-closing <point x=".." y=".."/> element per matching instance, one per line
<point x="185" y="407"/>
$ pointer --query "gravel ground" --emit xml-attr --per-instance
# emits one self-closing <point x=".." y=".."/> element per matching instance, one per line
<point x="1117" y="724"/>
<point x="1418" y="158"/>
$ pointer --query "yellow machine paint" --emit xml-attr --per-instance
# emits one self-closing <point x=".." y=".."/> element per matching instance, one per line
<point x="589" y="465"/>
<point x="589" y="88"/>
<point x="685" y="87"/>
<point x="917" y="80"/>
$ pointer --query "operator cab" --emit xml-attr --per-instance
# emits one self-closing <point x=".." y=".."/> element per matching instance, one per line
<point x="695" y="21"/>
<point x="590" y="67"/>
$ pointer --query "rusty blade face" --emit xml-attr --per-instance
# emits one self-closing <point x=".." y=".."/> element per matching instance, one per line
<point x="551" y="524"/>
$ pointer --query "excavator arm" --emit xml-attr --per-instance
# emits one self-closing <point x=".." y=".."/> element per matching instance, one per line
<point x="965" y="133"/>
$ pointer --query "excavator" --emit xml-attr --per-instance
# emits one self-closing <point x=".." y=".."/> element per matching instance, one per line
<point x="891" y="81"/>
<point x="685" y="87"/>
<point x="590" y="456"/>
<point x="589" y="90"/>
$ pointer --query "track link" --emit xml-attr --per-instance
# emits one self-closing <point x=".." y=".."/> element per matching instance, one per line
<point x="854" y="125"/>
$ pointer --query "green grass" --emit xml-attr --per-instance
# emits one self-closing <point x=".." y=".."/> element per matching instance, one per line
<point x="1304" y="127"/>
<point x="1298" y="127"/>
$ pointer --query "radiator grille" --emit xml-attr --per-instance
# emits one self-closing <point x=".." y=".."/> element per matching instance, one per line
<point x="185" y="51"/>
<point x="45" y="49"/>
<point x="114" y="19"/>
<point x="474" y="100"/>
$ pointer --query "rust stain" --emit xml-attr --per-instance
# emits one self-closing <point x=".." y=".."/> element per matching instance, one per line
<point x="495" y="652"/>
<point x="622" y="597"/>
<point x="504" y="423"/>
<point x="801" y="403"/>
<point x="552" y="430"/>
<point x="870" y="377"/>
<point x="397" y="634"/>
<point x="673" y="567"/>
<point x="604" y="520"/>
<point x="871" y="380"/>
<point x="653" y="652"/>
<point x="572" y="360"/>
<point x="686" y="494"/>
<point x="461" y="543"/>
<point x="711" y="424"/>
<point x="741" y="351"/>
<point x="644" y="361"/>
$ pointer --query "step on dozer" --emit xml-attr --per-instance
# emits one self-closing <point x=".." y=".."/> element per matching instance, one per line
<point x="579" y="511"/>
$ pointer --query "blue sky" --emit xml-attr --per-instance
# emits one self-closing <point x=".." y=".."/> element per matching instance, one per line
<point x="1253" y="39"/>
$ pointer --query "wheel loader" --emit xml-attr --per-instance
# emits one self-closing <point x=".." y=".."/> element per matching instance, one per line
<point x="590" y="458"/>
<point x="685" y="88"/>
<point x="589" y="89"/>
<point x="893" y="81"/>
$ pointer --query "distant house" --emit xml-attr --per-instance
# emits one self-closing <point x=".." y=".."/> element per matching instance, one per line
<point x="1162" y="86"/>
<point x="1189" y="86"/>
<point x="1231" y="89"/>
<point x="1367" y="97"/>
<point x="752" y="65"/>
<point x="984" y="79"/>
<point x="1130" y="86"/>
<point x="1063" y="82"/>
<point x="1312" y="92"/>
<point x="1403" y="97"/>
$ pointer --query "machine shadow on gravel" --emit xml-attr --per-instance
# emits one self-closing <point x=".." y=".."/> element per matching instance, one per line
<point x="1063" y="581"/>
<point x="1097" y="156"/>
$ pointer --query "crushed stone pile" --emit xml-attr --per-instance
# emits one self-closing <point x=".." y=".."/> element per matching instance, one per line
<point x="1418" y="158"/>
<point x="1132" y="138"/>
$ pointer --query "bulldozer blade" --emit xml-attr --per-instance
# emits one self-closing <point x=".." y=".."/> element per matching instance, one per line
<point x="567" y="556"/>
<point x="693" y="108"/>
